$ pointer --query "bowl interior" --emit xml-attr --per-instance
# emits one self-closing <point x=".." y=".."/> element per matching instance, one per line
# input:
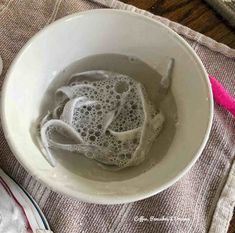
<point x="141" y="72"/>
<point x="76" y="37"/>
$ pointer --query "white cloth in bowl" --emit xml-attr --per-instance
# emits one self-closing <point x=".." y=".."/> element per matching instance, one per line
<point x="105" y="116"/>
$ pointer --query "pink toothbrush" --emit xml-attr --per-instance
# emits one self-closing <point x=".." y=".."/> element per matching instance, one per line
<point x="221" y="95"/>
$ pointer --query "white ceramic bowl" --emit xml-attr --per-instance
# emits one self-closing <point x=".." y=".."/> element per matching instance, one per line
<point x="97" y="32"/>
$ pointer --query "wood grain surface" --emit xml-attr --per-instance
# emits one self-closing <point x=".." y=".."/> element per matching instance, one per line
<point x="199" y="16"/>
<point x="196" y="14"/>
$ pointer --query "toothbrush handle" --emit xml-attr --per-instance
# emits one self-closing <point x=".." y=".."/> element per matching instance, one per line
<point x="221" y="95"/>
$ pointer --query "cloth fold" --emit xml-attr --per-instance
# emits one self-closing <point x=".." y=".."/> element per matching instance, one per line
<point x="188" y="206"/>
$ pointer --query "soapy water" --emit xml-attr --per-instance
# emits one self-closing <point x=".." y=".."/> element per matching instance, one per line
<point x="141" y="72"/>
<point x="107" y="115"/>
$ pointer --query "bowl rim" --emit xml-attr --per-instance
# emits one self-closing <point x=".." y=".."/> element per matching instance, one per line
<point x="104" y="199"/>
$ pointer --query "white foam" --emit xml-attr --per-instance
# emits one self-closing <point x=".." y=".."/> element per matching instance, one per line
<point x="110" y="118"/>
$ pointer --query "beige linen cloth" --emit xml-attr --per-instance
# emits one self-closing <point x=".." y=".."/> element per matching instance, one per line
<point x="203" y="200"/>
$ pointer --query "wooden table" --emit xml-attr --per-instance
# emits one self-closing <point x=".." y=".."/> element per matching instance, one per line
<point x="197" y="15"/>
